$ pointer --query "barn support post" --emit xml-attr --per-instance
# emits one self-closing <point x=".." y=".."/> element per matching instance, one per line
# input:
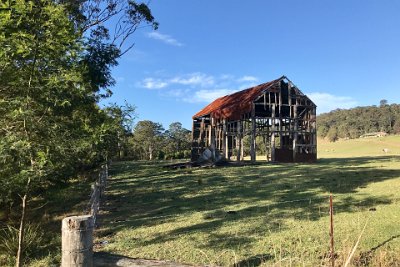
<point x="273" y="134"/>
<point x="281" y="143"/>
<point x="209" y="135"/>
<point x="239" y="141"/>
<point x="253" y="136"/>
<point x="314" y="130"/>
<point x="212" y="138"/>
<point x="225" y="144"/>
<point x="295" y="134"/>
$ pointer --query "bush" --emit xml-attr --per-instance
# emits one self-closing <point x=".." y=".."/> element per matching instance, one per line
<point x="33" y="238"/>
<point x="187" y="154"/>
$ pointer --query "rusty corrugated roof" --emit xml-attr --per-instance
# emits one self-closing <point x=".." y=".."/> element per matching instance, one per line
<point x="235" y="105"/>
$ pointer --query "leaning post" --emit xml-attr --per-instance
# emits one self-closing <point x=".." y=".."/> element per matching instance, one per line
<point x="77" y="241"/>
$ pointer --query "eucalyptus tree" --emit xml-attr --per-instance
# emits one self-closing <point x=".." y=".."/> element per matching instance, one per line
<point x="177" y="140"/>
<point x="55" y="64"/>
<point x="149" y="137"/>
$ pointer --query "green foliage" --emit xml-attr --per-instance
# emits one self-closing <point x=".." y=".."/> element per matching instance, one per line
<point x="42" y="94"/>
<point x="355" y="122"/>
<point x="33" y="240"/>
<point x="56" y="59"/>
<point x="55" y="64"/>
<point x="148" y="137"/>
<point x="177" y="140"/>
<point x="149" y="140"/>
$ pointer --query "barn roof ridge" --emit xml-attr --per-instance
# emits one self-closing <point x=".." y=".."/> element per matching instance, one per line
<point x="233" y="105"/>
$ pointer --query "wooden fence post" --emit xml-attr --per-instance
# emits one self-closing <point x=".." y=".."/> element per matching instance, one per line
<point x="77" y="241"/>
<point x="331" y="231"/>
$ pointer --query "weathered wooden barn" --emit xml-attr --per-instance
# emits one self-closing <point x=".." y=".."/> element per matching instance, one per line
<point x="276" y="112"/>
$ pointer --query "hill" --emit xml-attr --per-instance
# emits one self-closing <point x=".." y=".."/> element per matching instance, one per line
<point x="361" y="147"/>
<point x="355" y="122"/>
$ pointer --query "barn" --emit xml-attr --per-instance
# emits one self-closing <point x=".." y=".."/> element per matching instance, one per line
<point x="276" y="112"/>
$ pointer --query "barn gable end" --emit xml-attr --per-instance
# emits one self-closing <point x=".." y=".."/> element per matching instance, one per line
<point x="276" y="111"/>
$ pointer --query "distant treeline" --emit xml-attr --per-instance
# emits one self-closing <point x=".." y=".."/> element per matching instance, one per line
<point x="359" y="121"/>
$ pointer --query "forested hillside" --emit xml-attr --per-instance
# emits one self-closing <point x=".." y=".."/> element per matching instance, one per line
<point x="355" y="122"/>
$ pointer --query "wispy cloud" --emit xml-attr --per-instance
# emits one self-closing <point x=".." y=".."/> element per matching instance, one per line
<point x="194" y="79"/>
<point x="207" y="96"/>
<point x="151" y="83"/>
<point x="197" y="87"/>
<point x="164" y="38"/>
<point x="247" y="78"/>
<point x="326" y="102"/>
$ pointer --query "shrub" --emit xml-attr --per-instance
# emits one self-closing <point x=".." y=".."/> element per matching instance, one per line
<point x="33" y="238"/>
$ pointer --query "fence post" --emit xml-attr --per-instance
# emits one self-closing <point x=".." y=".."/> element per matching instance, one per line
<point x="331" y="231"/>
<point x="77" y="241"/>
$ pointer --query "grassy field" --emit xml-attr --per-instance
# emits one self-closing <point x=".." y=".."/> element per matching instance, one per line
<point x="260" y="215"/>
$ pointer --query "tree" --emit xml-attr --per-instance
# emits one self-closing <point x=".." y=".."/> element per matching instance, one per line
<point x="383" y="103"/>
<point x="55" y="64"/>
<point x="177" y="140"/>
<point x="39" y="69"/>
<point x="332" y="134"/>
<point x="122" y="118"/>
<point x="148" y="135"/>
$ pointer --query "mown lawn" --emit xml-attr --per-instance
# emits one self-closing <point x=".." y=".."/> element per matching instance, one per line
<point x="262" y="214"/>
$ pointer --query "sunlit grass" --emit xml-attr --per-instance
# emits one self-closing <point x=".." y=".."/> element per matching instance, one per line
<point x="260" y="214"/>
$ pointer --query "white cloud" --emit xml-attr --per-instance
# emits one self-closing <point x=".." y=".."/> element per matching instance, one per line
<point x="194" y="79"/>
<point x="247" y="78"/>
<point x="326" y="102"/>
<point x="247" y="81"/>
<point x="164" y="38"/>
<point x="197" y="87"/>
<point x="151" y="83"/>
<point x="207" y="96"/>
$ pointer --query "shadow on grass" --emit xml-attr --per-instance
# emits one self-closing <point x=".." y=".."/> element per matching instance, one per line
<point x="254" y="261"/>
<point x="365" y="257"/>
<point x="104" y="259"/>
<point x="144" y="194"/>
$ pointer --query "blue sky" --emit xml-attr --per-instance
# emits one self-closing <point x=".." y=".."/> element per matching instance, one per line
<point x="341" y="54"/>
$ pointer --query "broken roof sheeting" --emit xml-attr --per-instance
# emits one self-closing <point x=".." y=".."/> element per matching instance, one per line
<point x="235" y="105"/>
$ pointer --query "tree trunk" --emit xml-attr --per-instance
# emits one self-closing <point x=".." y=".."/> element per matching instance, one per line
<point x="150" y="153"/>
<point x="21" y="232"/>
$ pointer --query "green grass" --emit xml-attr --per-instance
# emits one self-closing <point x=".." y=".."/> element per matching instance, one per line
<point x="262" y="214"/>
<point x="46" y="212"/>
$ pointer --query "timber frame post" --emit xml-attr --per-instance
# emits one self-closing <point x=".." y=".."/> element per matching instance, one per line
<point x="239" y="142"/>
<point x="253" y="135"/>
<point x="295" y="132"/>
